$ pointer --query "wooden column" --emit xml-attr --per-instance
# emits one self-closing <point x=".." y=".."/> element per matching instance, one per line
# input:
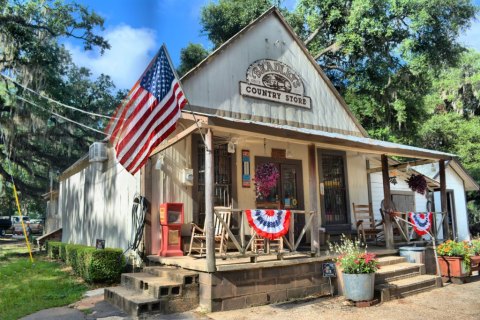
<point x="443" y="198"/>
<point x="387" y="203"/>
<point x="313" y="186"/>
<point x="152" y="232"/>
<point x="209" y="180"/>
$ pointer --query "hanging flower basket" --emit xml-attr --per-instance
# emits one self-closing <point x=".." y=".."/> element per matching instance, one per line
<point x="266" y="177"/>
<point x="417" y="183"/>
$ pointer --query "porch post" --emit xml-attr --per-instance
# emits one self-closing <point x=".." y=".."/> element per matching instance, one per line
<point x="152" y="242"/>
<point x="313" y="186"/>
<point x="443" y="197"/>
<point x="387" y="204"/>
<point x="209" y="179"/>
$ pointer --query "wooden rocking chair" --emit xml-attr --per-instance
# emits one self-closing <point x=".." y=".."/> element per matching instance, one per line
<point x="367" y="227"/>
<point x="198" y="239"/>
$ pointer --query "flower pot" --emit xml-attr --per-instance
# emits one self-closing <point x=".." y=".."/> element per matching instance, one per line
<point x="358" y="287"/>
<point x="474" y="263"/>
<point x="452" y="267"/>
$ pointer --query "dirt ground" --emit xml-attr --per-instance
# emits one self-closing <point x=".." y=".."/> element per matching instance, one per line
<point x="452" y="301"/>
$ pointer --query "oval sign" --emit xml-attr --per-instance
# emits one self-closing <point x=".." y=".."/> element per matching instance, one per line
<point x="275" y="75"/>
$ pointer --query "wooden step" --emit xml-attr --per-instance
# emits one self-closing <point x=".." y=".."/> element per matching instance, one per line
<point x="388" y="260"/>
<point x="404" y="287"/>
<point x="398" y="271"/>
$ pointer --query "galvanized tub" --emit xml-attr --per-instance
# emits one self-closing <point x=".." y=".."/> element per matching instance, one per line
<point x="359" y="287"/>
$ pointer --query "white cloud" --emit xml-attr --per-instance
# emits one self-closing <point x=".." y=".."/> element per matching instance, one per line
<point x="131" y="51"/>
<point x="471" y="38"/>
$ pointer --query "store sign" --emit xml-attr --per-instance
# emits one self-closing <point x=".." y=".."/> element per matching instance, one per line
<point x="274" y="81"/>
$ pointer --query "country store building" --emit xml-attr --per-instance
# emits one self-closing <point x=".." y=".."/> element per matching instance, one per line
<point x="258" y="99"/>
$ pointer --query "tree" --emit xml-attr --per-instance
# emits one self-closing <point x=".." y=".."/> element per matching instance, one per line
<point x="190" y="56"/>
<point x="380" y="54"/>
<point x="33" y="143"/>
<point x="224" y="19"/>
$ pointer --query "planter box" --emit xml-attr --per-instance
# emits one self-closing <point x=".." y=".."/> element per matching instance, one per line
<point x="453" y="267"/>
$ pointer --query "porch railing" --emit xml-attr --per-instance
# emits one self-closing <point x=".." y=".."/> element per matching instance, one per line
<point x="406" y="230"/>
<point x="240" y="242"/>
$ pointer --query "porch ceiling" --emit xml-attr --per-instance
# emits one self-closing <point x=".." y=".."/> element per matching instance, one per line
<point x="322" y="138"/>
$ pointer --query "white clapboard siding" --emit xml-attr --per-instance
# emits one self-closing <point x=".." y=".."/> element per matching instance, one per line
<point x="214" y="86"/>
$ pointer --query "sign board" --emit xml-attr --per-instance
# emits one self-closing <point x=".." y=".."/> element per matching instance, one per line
<point x="329" y="270"/>
<point x="100" y="244"/>
<point x="276" y="81"/>
<point x="246" y="168"/>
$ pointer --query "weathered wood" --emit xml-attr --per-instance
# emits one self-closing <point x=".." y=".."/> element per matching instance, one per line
<point x="387" y="203"/>
<point x="313" y="186"/>
<point x="151" y="245"/>
<point x="330" y="142"/>
<point x="210" y="232"/>
<point x="230" y="234"/>
<point x="170" y="142"/>
<point x="401" y="165"/>
<point x="443" y="197"/>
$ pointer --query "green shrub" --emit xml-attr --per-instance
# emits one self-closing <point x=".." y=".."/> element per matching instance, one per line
<point x="71" y="258"/>
<point x="63" y="252"/>
<point x="103" y="265"/>
<point x="53" y="249"/>
<point x="92" y="265"/>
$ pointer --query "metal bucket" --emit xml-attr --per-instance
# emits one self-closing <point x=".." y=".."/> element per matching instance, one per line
<point x="413" y="254"/>
<point x="359" y="287"/>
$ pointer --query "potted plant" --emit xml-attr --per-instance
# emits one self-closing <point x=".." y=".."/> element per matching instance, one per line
<point x="475" y="253"/>
<point x="454" y="258"/>
<point x="358" y="269"/>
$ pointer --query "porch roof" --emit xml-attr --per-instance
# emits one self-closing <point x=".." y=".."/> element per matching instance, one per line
<point x="328" y="139"/>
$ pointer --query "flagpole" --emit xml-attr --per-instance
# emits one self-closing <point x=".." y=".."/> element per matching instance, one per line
<point x="188" y="102"/>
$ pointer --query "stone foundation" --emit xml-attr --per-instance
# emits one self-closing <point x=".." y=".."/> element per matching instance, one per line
<point x="229" y="290"/>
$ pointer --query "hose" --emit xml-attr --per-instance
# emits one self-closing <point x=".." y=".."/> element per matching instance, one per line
<point x="139" y="211"/>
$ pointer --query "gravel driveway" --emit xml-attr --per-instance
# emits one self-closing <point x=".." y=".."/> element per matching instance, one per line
<point x="450" y="302"/>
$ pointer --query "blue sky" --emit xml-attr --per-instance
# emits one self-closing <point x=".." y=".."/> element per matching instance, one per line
<point x="137" y="29"/>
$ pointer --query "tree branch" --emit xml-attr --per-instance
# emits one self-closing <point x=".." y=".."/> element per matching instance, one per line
<point x="334" y="47"/>
<point x="312" y="36"/>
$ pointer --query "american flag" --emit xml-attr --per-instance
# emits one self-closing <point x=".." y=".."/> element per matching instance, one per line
<point x="148" y="115"/>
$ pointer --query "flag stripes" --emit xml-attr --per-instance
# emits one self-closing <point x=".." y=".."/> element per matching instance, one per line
<point x="148" y="115"/>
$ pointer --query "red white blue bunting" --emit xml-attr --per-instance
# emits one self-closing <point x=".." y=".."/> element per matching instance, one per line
<point x="270" y="224"/>
<point x="422" y="222"/>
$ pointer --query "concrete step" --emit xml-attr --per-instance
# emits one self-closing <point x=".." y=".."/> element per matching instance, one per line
<point x="186" y="277"/>
<point x="132" y="302"/>
<point x="388" y="260"/>
<point x="407" y="286"/>
<point x="152" y="285"/>
<point x="398" y="271"/>
<point x="137" y="304"/>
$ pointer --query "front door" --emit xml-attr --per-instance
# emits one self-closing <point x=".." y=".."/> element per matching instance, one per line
<point x="333" y="191"/>
<point x="288" y="192"/>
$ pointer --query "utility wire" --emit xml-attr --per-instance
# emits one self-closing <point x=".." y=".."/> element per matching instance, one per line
<point x="55" y="101"/>
<point x="60" y="116"/>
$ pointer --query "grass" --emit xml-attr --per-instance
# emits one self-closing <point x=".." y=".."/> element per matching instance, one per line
<point x="27" y="288"/>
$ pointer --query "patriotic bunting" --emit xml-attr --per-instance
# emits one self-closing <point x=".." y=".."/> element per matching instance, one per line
<point x="270" y="224"/>
<point x="422" y="222"/>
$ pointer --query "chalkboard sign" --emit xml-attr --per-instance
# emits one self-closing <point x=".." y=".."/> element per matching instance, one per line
<point x="328" y="270"/>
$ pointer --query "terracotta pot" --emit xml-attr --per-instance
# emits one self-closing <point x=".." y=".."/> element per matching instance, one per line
<point x="452" y="267"/>
<point x="475" y="260"/>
